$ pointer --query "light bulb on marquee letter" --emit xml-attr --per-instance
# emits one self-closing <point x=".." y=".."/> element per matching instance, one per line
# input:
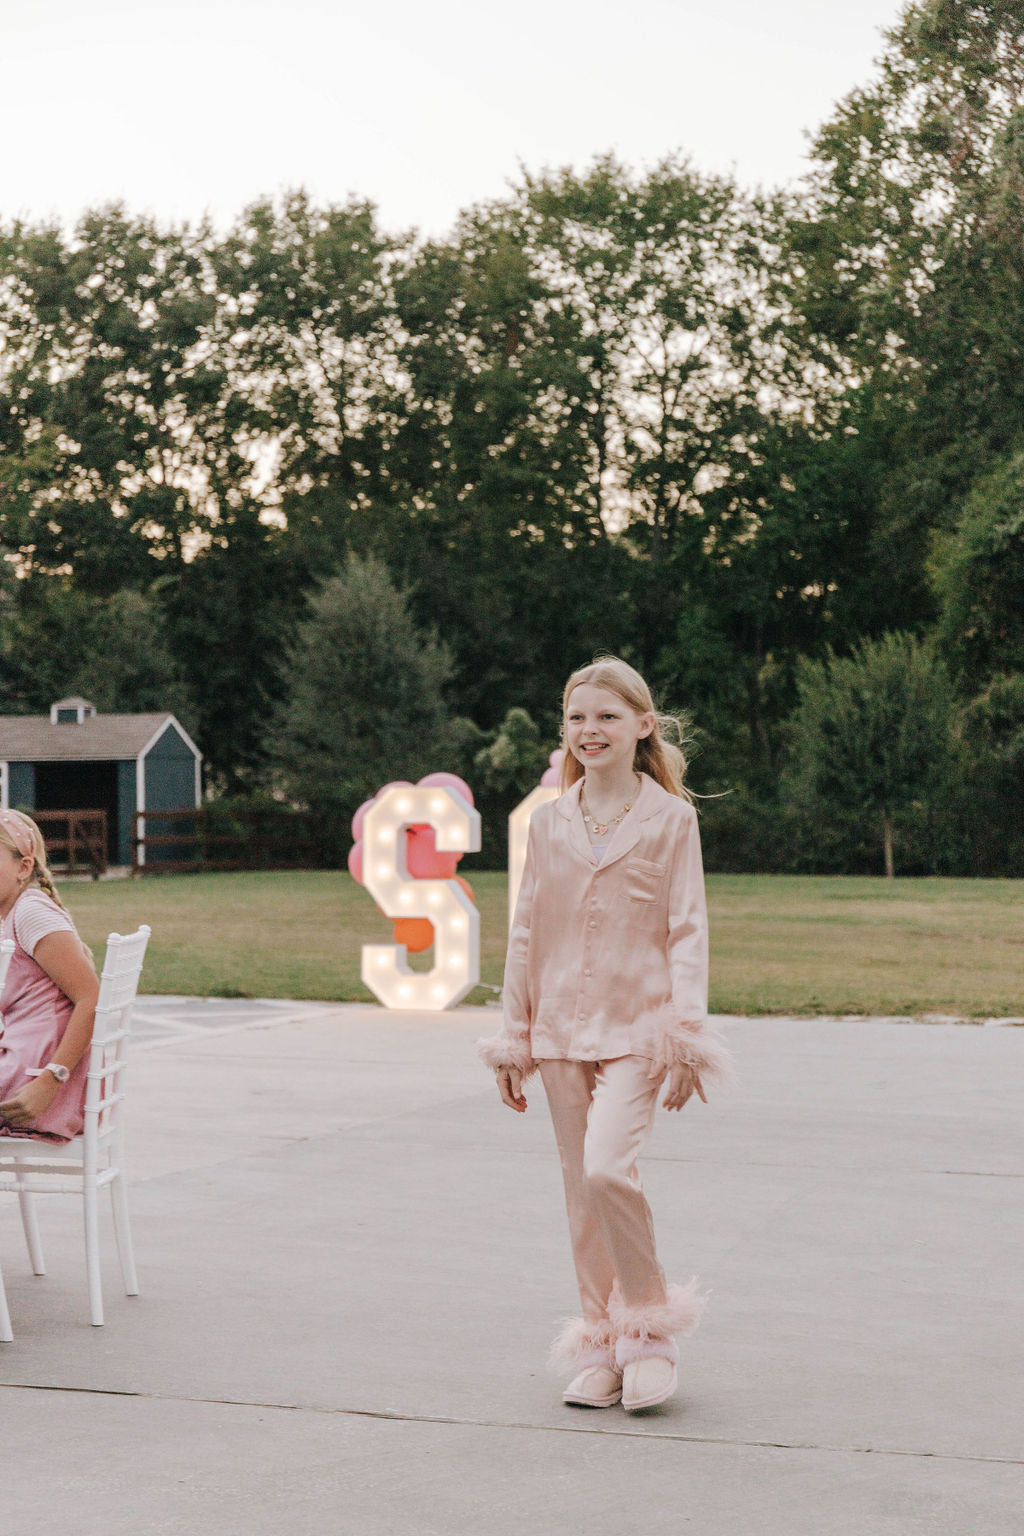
<point x="385" y="967"/>
<point x="518" y="832"/>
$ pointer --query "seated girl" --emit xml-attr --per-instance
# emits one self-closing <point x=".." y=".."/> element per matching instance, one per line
<point x="48" y="1002"/>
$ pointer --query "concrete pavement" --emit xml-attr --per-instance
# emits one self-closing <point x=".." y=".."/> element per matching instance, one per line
<point x="352" y="1259"/>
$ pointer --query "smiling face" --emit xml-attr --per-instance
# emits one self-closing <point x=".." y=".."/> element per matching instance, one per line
<point x="602" y="730"/>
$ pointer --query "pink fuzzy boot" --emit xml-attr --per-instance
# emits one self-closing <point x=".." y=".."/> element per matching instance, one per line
<point x="645" y="1351"/>
<point x="589" y="1348"/>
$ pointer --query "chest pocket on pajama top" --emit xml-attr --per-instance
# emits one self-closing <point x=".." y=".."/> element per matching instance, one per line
<point x="645" y="885"/>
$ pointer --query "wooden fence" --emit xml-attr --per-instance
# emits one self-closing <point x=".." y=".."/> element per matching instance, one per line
<point x="208" y="838"/>
<point x="76" y="841"/>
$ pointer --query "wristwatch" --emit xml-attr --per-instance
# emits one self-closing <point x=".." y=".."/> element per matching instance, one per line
<point x="60" y="1073"/>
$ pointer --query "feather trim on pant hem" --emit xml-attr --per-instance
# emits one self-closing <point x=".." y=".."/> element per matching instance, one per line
<point x="627" y="1350"/>
<point x="579" y="1344"/>
<point x="680" y="1312"/>
<point x="594" y="1357"/>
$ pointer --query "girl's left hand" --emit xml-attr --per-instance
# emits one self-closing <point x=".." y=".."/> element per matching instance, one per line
<point x="683" y="1082"/>
<point x="30" y="1101"/>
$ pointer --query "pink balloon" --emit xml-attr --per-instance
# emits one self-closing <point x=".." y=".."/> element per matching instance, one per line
<point x="355" y="862"/>
<point x="551" y="777"/>
<point x="422" y="858"/>
<point x="357" y="819"/>
<point x="447" y="781"/>
<point x="556" y="757"/>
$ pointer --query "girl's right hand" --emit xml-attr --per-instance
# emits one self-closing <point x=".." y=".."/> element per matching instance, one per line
<point x="31" y="1100"/>
<point x="510" y="1086"/>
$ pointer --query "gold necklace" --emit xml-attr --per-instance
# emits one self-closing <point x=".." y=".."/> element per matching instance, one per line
<point x="598" y="827"/>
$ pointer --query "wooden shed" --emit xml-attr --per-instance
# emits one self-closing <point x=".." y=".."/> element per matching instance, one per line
<point x="76" y="759"/>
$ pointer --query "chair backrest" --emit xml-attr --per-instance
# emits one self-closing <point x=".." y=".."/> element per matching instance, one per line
<point x="119" y="983"/>
<point x="6" y="951"/>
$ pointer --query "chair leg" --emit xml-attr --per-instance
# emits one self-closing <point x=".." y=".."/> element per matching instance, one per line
<point x="33" y="1241"/>
<point x="6" y="1331"/>
<point x="123" y="1234"/>
<point x="92" y="1253"/>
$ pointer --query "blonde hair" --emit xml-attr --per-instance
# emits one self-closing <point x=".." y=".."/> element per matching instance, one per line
<point x="40" y="875"/>
<point x="663" y="760"/>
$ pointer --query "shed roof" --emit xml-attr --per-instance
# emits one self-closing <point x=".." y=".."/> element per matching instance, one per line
<point x="101" y="738"/>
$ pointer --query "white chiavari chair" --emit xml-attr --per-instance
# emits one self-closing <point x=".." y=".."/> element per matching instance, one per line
<point x="93" y="1160"/>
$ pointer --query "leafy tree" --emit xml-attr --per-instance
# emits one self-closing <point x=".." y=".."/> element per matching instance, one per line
<point x="871" y="733"/>
<point x="364" y="697"/>
<point x="516" y="758"/>
<point x="492" y="518"/>
<point x="601" y="382"/>
<point x="129" y="668"/>
<point x="310" y="338"/>
<point x="989" y="805"/>
<point x="146" y="375"/>
<point x="56" y="640"/>
<point x="682" y="333"/>
<point x="908" y="175"/>
<point x="979" y="577"/>
<point x="106" y="359"/>
<point x="48" y="630"/>
<point x="905" y="262"/>
<point x="745" y="608"/>
<point x="507" y="764"/>
<point x="230" y="614"/>
<point x="725" y="456"/>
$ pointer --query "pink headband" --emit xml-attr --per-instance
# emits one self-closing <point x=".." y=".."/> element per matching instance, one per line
<point x="22" y="835"/>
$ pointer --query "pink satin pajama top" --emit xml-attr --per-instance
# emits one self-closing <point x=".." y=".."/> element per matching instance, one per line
<point x="610" y="958"/>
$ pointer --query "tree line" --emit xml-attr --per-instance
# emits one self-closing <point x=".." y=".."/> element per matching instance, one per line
<point x="768" y="446"/>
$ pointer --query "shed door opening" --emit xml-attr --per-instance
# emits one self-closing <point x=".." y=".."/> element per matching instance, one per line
<point x="80" y="787"/>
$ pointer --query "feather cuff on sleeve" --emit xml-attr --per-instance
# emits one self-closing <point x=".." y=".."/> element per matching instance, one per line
<point x="503" y="1050"/>
<point x="700" y="1047"/>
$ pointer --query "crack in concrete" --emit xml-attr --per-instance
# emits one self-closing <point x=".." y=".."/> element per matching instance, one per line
<point x="857" y="1168"/>
<point x="391" y="1416"/>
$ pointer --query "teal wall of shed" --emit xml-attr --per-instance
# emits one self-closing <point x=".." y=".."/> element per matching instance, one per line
<point x="170" y="768"/>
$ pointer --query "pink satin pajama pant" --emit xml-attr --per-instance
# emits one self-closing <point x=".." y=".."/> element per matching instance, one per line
<point x="602" y="1113"/>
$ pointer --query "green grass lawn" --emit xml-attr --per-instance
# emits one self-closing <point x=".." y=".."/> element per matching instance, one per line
<point x="780" y="944"/>
<point x="844" y="944"/>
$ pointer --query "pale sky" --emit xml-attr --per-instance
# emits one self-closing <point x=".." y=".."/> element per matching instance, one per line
<point x="203" y="105"/>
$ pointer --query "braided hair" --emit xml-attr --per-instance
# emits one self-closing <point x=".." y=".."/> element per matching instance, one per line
<point x="40" y="875"/>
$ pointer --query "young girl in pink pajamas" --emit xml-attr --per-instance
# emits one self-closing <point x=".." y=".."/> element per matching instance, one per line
<point x="48" y="1001"/>
<point x="606" y="995"/>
